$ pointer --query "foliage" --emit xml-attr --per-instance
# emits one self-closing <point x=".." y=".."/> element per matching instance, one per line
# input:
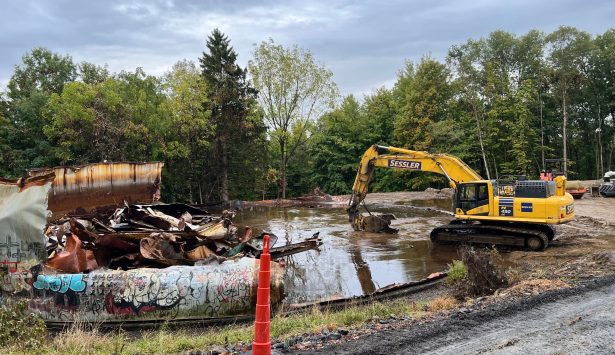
<point x="116" y="120"/>
<point x="293" y="90"/>
<point x="502" y="103"/>
<point x="341" y="137"/>
<point x="457" y="272"/>
<point x="20" y="329"/>
<point x="230" y="102"/>
<point x="188" y="135"/>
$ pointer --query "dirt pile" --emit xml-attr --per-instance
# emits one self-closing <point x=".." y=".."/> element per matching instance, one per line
<point x="531" y="288"/>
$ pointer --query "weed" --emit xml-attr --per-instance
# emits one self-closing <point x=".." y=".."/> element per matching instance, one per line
<point x="82" y="338"/>
<point x="443" y="303"/>
<point x="20" y="330"/>
<point x="457" y="271"/>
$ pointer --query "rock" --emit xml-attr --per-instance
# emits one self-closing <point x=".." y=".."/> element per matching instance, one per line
<point x="447" y="191"/>
<point x="343" y="331"/>
<point x="431" y="189"/>
<point x="295" y="340"/>
<point x="464" y="310"/>
<point x="218" y="350"/>
<point x="334" y="336"/>
<point x="278" y="345"/>
<point x="383" y="321"/>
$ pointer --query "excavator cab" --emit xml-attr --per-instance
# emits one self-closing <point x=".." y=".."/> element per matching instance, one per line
<point x="473" y="198"/>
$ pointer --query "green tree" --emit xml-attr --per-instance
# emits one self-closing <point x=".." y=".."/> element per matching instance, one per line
<point x="188" y="135"/>
<point x="293" y="89"/>
<point x="41" y="74"/>
<point x="121" y="118"/>
<point x="91" y="73"/>
<point x="424" y="101"/>
<point x="230" y="101"/>
<point x="341" y="138"/>
<point x="567" y="57"/>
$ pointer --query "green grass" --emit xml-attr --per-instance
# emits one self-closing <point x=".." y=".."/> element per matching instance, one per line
<point x="80" y="341"/>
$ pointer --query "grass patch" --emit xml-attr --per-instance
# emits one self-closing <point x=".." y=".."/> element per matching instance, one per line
<point x="443" y="303"/>
<point x="81" y="340"/>
<point x="457" y="271"/>
<point x="20" y="330"/>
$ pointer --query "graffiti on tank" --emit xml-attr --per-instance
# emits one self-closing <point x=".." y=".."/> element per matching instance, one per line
<point x="178" y="291"/>
<point x="14" y="250"/>
<point x="60" y="283"/>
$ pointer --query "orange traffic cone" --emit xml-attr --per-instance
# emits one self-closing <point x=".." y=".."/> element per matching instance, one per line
<point x="262" y="341"/>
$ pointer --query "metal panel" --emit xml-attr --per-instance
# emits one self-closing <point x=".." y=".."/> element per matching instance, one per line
<point x="23" y="212"/>
<point x="84" y="188"/>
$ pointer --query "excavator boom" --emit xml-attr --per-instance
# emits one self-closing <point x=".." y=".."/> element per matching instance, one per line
<point x="455" y="170"/>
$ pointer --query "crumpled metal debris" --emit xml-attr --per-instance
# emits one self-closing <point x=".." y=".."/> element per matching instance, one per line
<point x="157" y="235"/>
<point x="89" y="230"/>
<point x="131" y="236"/>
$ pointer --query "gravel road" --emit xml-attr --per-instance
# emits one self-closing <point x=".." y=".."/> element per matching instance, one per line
<point x="570" y="321"/>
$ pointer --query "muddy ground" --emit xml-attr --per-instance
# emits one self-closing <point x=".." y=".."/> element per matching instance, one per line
<point x="522" y="319"/>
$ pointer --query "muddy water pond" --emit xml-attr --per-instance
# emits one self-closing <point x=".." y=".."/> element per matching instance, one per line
<point x="351" y="263"/>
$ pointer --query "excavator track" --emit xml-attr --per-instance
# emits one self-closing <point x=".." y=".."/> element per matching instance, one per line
<point x="520" y="236"/>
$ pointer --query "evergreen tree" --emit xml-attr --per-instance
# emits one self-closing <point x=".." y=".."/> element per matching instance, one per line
<point x="230" y="98"/>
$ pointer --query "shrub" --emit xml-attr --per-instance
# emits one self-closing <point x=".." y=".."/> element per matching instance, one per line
<point x="20" y="329"/>
<point x="484" y="274"/>
<point x="457" y="271"/>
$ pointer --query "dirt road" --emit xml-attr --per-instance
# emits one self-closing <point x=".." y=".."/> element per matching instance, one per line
<point x="580" y="320"/>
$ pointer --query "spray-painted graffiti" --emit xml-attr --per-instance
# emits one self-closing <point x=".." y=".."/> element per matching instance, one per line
<point x="60" y="283"/>
<point x="175" y="292"/>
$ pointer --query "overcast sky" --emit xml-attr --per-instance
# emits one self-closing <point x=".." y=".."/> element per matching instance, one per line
<point x="364" y="43"/>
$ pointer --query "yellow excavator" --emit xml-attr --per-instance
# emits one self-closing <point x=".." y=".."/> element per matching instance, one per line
<point x="518" y="214"/>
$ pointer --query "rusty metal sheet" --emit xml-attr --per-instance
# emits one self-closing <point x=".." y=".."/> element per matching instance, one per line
<point x="84" y="188"/>
<point x="23" y="213"/>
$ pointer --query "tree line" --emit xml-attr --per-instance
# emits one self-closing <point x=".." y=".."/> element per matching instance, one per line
<point x="503" y="103"/>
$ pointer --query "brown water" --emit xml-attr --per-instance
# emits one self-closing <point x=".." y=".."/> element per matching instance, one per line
<point x="351" y="263"/>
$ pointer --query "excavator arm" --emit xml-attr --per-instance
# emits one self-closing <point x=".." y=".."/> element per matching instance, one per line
<point x="455" y="170"/>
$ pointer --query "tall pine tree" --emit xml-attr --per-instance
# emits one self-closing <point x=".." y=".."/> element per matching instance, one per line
<point x="230" y="99"/>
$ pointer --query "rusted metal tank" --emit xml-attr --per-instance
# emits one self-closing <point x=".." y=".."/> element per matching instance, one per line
<point x="84" y="188"/>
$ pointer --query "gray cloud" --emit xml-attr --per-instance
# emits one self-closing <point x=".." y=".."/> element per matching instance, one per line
<point x="364" y="43"/>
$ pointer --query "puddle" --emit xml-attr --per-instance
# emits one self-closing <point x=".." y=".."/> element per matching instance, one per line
<point x="351" y="263"/>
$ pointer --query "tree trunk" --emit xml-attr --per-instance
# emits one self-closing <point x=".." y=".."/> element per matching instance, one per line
<point x="542" y="134"/>
<point x="564" y="131"/>
<point x="224" y="168"/>
<point x="601" y="172"/>
<point x="283" y="167"/>
<point x="480" y="139"/>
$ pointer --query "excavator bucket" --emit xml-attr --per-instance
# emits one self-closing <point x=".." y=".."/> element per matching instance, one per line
<point x="377" y="223"/>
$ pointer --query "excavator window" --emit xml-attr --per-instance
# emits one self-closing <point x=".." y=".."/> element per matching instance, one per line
<point x="472" y="195"/>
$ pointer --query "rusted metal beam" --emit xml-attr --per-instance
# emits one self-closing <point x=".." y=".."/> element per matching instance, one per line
<point x="85" y="188"/>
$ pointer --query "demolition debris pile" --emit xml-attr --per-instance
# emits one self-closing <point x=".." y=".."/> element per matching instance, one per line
<point x="101" y="234"/>
<point x="156" y="235"/>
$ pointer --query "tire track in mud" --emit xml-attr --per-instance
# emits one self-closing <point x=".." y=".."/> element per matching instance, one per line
<point x="578" y="320"/>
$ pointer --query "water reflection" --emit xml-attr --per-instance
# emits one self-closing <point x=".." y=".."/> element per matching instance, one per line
<point x="351" y="263"/>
